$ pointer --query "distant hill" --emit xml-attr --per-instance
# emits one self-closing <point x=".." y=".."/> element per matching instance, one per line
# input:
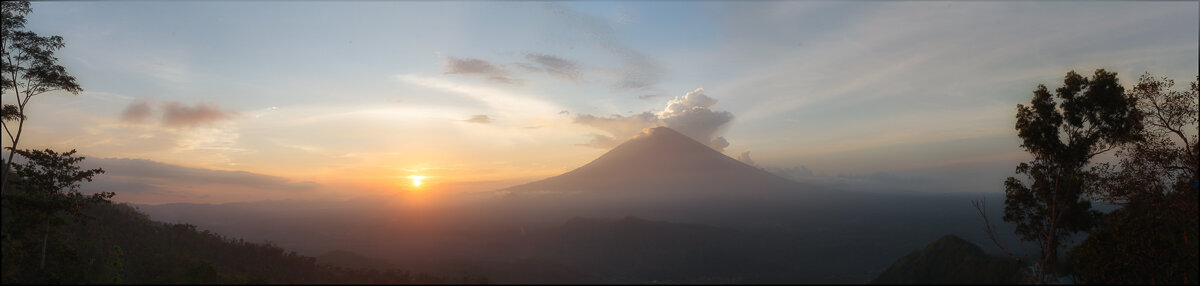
<point x="951" y="260"/>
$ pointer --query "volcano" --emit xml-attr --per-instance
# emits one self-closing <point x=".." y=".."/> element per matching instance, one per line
<point x="661" y="160"/>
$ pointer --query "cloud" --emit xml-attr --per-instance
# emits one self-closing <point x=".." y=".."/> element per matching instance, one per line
<point x="537" y="63"/>
<point x="502" y="102"/>
<point x="601" y="141"/>
<point x="636" y="70"/>
<point x="718" y="143"/>
<point x="745" y="158"/>
<point x="469" y="66"/>
<point x="618" y="124"/>
<point x="176" y="114"/>
<point x="639" y="71"/>
<point x="478" y="67"/>
<point x="693" y="99"/>
<point x="556" y="66"/>
<point x="648" y="96"/>
<point x="689" y="114"/>
<point x="140" y="175"/>
<point x="480" y="118"/>
<point x="137" y="111"/>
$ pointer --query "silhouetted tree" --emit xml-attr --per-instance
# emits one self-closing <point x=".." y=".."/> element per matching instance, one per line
<point x="1153" y="237"/>
<point x="1089" y="117"/>
<point x="28" y="68"/>
<point x="48" y="185"/>
<point x="1165" y="158"/>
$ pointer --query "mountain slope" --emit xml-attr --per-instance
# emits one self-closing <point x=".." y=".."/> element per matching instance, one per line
<point x="661" y="160"/>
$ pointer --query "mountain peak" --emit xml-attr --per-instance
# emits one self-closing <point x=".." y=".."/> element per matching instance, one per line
<point x="660" y="159"/>
<point x="660" y="132"/>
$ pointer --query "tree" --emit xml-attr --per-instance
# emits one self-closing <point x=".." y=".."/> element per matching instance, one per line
<point x="28" y="68"/>
<point x="1153" y="237"/>
<point x="1089" y="117"/>
<point x="48" y="185"/>
<point x="1165" y="159"/>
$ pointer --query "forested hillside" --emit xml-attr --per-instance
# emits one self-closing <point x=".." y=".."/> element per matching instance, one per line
<point x="118" y="244"/>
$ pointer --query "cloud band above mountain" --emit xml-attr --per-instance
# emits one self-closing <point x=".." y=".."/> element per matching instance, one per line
<point x="690" y="114"/>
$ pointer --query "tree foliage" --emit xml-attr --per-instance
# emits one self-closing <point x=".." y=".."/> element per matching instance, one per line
<point x="28" y="68"/>
<point x="1166" y="158"/>
<point x="49" y="183"/>
<point x="1153" y="237"/>
<point x="48" y="186"/>
<point x="1064" y="131"/>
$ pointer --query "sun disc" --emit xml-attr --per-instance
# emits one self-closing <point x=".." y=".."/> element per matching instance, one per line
<point x="416" y="180"/>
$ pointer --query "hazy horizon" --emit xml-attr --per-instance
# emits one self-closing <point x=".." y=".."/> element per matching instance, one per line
<point x="211" y="102"/>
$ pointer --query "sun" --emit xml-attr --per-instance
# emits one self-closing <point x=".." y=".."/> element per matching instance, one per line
<point x="416" y="180"/>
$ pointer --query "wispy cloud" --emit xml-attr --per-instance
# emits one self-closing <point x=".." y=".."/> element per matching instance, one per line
<point x="556" y="66"/>
<point x="147" y="181"/>
<point x="875" y="54"/>
<point x="156" y="173"/>
<point x="177" y="114"/>
<point x="507" y="104"/>
<point x="745" y="158"/>
<point x="137" y="112"/>
<point x="637" y="71"/>
<point x="479" y="118"/>
<point x="478" y="67"/>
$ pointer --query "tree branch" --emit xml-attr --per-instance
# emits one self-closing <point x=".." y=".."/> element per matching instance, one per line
<point x="982" y="208"/>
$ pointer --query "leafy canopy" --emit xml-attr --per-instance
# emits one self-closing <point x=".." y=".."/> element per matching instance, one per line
<point x="1063" y="131"/>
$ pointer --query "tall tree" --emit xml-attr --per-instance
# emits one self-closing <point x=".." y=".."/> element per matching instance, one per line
<point x="1153" y="237"/>
<point x="1167" y="156"/>
<point x="1089" y="117"/>
<point x="48" y="186"/>
<point x="28" y="68"/>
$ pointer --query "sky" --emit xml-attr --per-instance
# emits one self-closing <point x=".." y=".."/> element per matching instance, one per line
<point x="223" y="101"/>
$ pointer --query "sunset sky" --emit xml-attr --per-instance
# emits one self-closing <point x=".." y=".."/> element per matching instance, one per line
<point x="199" y="101"/>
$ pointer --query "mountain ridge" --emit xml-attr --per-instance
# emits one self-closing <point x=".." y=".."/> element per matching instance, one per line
<point x="661" y="159"/>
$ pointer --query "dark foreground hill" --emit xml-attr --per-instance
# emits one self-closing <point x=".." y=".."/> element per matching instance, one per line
<point x="122" y="245"/>
<point x="951" y="260"/>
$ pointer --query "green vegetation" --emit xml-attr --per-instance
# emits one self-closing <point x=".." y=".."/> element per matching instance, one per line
<point x="1152" y="237"/>
<point x="951" y="260"/>
<point x="1064" y="131"/>
<point x="118" y="244"/>
<point x="28" y="68"/>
